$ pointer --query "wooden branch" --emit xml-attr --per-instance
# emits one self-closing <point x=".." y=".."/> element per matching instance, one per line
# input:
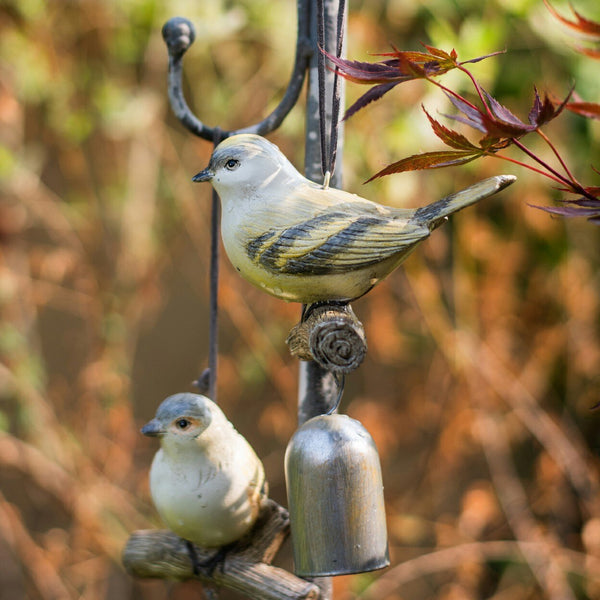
<point x="246" y="567"/>
<point x="332" y="336"/>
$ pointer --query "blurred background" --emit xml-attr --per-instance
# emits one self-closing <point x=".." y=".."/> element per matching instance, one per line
<point x="484" y="351"/>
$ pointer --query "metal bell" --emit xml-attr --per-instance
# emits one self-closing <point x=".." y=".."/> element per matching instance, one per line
<point x="335" y="498"/>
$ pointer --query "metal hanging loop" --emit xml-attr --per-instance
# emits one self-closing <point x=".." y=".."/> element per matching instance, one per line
<point x="179" y="34"/>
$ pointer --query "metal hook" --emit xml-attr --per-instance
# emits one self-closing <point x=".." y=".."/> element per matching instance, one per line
<point x="179" y="34"/>
<point x="340" y="380"/>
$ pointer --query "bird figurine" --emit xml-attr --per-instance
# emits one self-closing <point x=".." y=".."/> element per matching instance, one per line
<point x="206" y="481"/>
<point x="305" y="242"/>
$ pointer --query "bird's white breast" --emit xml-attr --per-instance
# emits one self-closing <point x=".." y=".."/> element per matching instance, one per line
<point x="208" y="499"/>
<point x="282" y="204"/>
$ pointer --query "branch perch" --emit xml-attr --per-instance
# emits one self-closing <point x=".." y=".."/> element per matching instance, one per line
<point x="332" y="336"/>
<point x="153" y="553"/>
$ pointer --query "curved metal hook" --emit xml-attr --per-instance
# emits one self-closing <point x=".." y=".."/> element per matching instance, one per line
<point x="179" y="35"/>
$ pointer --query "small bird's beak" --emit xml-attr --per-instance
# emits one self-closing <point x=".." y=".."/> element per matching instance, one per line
<point x="153" y="428"/>
<point x="205" y="175"/>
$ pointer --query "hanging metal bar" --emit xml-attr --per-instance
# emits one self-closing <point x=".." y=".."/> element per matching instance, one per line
<point x="317" y="387"/>
<point x="317" y="390"/>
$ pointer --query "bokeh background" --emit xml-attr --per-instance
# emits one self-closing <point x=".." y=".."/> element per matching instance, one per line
<point x="484" y="352"/>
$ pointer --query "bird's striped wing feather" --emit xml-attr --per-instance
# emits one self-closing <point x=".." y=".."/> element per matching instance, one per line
<point x="334" y="241"/>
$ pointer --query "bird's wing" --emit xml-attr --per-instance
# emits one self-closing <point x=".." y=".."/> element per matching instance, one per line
<point x="333" y="233"/>
<point x="318" y="231"/>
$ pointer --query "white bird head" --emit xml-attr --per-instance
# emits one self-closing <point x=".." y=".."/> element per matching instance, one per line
<point x="182" y="418"/>
<point x="244" y="163"/>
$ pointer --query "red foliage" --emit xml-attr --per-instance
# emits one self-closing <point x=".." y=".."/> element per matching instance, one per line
<point x="501" y="127"/>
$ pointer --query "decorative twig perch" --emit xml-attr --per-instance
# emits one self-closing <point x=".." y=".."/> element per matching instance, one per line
<point x="332" y="336"/>
<point x="246" y="568"/>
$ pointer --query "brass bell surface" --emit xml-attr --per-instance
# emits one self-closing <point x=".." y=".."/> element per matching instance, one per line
<point x="335" y="498"/>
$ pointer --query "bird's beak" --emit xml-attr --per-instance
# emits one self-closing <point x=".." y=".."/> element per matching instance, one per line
<point x="205" y="175"/>
<point x="153" y="428"/>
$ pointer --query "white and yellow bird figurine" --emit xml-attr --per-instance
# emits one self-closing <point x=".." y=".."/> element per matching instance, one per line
<point x="206" y="481"/>
<point x="303" y="242"/>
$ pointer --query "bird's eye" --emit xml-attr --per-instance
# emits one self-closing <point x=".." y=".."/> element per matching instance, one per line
<point x="182" y="424"/>
<point x="232" y="164"/>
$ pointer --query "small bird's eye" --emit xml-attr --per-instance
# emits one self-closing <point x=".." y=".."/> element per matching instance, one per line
<point x="232" y="164"/>
<point x="182" y="424"/>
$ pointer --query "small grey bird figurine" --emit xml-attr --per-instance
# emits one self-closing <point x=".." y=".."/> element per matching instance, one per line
<point x="206" y="481"/>
<point x="303" y="242"/>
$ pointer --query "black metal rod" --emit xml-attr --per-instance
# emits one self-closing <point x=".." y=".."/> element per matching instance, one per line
<point x="213" y="337"/>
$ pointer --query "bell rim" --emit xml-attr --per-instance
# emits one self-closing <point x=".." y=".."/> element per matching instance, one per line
<point x="348" y="571"/>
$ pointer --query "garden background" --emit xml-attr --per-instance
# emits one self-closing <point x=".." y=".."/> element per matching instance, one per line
<point x="484" y="351"/>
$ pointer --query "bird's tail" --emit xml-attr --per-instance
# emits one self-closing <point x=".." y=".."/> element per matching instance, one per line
<point x="434" y="214"/>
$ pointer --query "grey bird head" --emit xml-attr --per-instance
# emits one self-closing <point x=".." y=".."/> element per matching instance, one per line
<point x="245" y="162"/>
<point x="183" y="416"/>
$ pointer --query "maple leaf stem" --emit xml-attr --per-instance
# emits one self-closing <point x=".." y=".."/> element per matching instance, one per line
<point x="558" y="156"/>
<point x="557" y="179"/>
<point x="572" y="184"/>
<point x="452" y="92"/>
<point x="477" y="89"/>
